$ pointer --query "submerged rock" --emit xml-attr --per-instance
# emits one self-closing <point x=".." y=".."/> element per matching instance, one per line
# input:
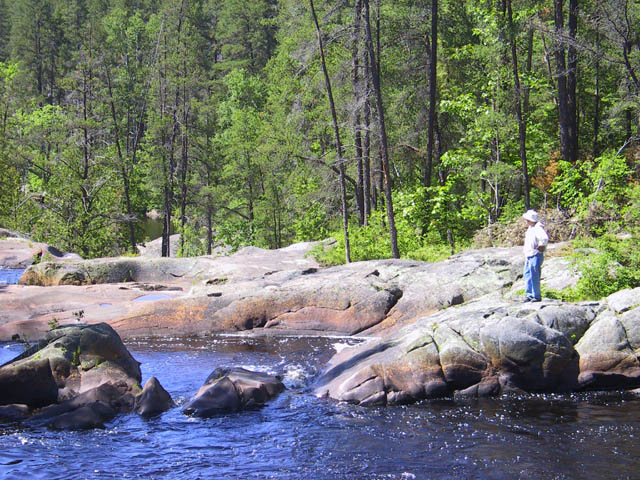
<point x="86" y="417"/>
<point x="14" y="412"/>
<point x="231" y="390"/>
<point x="115" y="395"/>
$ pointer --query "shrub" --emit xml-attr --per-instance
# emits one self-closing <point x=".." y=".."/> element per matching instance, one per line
<point x="614" y="267"/>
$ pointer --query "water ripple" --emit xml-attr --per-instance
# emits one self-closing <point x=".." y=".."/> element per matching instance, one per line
<point x="300" y="436"/>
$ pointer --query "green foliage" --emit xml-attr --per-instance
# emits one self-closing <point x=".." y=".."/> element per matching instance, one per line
<point x="312" y="219"/>
<point x="191" y="244"/>
<point x="372" y="242"/>
<point x="603" y="181"/>
<point x="53" y="323"/>
<point x="75" y="361"/>
<point x="213" y="113"/>
<point x="606" y="264"/>
<point x="615" y="266"/>
<point x="609" y="177"/>
<point x="631" y="210"/>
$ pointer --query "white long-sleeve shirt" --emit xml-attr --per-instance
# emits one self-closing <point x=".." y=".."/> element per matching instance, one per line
<point x="534" y="238"/>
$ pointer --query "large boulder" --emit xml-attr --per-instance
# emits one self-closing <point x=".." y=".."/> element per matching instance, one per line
<point x="609" y="351"/>
<point x="492" y="346"/>
<point x="86" y="272"/>
<point x="153" y="248"/>
<point x="245" y="264"/>
<point x="153" y="399"/>
<point x="231" y="390"/>
<point x="78" y="377"/>
<point x="30" y="383"/>
<point x="487" y="347"/>
<point x="71" y="360"/>
<point x="17" y="250"/>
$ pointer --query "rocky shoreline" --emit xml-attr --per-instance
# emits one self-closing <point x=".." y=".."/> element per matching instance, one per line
<point x="492" y="347"/>
<point x="453" y="328"/>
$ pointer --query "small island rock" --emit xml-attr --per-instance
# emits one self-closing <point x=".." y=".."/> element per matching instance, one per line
<point x="230" y="390"/>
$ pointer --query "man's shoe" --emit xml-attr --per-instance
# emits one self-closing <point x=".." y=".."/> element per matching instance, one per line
<point x="527" y="299"/>
<point x="535" y="299"/>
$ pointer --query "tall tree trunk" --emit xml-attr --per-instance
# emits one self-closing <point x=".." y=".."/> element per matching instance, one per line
<point x="209" y="220"/>
<point x="171" y="168"/>
<point x="123" y="166"/>
<point x="395" y="252"/>
<point x="522" y="132"/>
<point x="381" y="179"/>
<point x="376" y="65"/>
<point x="526" y="89"/>
<point x="357" y="89"/>
<point x="561" y="71"/>
<point x="595" y="148"/>
<point x="433" y="62"/>
<point x="169" y="188"/>
<point x="184" y="161"/>
<point x="572" y="75"/>
<point x="336" y="131"/>
<point x="370" y="198"/>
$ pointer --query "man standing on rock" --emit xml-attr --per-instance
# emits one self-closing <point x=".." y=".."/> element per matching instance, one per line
<point x="535" y="242"/>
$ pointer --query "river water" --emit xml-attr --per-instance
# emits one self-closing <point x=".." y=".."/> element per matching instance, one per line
<point x="9" y="276"/>
<point x="299" y="436"/>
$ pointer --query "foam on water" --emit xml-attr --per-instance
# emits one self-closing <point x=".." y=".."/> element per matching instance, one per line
<point x="295" y="376"/>
<point x="338" y="347"/>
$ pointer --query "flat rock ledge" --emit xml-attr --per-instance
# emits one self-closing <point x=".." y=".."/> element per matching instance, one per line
<point x="78" y="377"/>
<point x="273" y="291"/>
<point x="492" y="347"/>
<point x="229" y="390"/>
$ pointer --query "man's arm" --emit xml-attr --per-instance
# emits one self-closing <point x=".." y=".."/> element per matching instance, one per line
<point x="542" y="239"/>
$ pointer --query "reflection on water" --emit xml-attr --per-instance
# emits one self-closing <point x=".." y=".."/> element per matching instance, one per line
<point x="10" y="276"/>
<point x="152" y="297"/>
<point x="299" y="436"/>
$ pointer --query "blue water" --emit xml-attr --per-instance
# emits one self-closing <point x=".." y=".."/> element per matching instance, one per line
<point x="152" y="297"/>
<point x="299" y="436"/>
<point x="10" y="276"/>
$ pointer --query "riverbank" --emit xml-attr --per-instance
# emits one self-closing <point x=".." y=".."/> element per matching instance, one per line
<point x="438" y="329"/>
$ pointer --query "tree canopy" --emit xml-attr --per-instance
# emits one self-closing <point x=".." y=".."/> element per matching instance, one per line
<point x="419" y="122"/>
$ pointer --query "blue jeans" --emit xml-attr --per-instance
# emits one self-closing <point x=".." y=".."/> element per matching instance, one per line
<point x="532" y="269"/>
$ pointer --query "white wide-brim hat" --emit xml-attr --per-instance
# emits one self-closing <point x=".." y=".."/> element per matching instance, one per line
<point x="531" y="215"/>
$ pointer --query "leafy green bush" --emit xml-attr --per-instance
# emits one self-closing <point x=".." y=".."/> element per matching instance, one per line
<point x="607" y="264"/>
<point x="372" y="241"/>
<point x="616" y="266"/>
<point x="193" y="244"/>
<point x="600" y="184"/>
